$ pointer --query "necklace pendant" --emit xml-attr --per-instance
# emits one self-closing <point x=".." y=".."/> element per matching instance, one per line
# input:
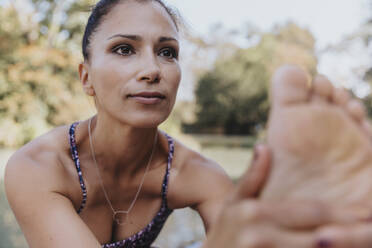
<point x="122" y="218"/>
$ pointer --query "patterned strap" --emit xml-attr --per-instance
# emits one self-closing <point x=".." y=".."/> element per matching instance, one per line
<point x="75" y="158"/>
<point x="167" y="170"/>
<point x="147" y="235"/>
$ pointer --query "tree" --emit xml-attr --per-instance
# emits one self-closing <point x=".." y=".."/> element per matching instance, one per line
<point x="232" y="97"/>
<point x="40" y="51"/>
<point x="366" y="34"/>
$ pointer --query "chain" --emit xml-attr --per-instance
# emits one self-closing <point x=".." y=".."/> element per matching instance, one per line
<point x="115" y="212"/>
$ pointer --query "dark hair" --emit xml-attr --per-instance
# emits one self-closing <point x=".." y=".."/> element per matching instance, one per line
<point x="102" y="8"/>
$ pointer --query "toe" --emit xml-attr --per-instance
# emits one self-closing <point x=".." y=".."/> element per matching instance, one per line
<point x="341" y="97"/>
<point x="290" y="84"/>
<point x="366" y="125"/>
<point x="356" y="110"/>
<point x="322" y="89"/>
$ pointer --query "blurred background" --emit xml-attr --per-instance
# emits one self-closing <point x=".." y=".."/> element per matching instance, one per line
<point x="229" y="52"/>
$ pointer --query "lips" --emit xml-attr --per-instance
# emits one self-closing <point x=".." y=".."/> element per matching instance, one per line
<point x="148" y="94"/>
<point x="147" y="97"/>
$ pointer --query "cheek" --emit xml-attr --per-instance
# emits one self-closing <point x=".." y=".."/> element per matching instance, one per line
<point x="174" y="78"/>
<point x="103" y="80"/>
<point x="110" y="75"/>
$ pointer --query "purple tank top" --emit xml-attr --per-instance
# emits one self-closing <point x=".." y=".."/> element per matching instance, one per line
<point x="147" y="235"/>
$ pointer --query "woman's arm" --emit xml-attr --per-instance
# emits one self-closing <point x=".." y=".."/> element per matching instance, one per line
<point x="46" y="217"/>
<point x="202" y="184"/>
<point x="218" y="188"/>
<point x="214" y="189"/>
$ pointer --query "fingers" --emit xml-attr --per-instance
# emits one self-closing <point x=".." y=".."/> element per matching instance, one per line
<point x="257" y="224"/>
<point x="354" y="236"/>
<point x="261" y="236"/>
<point x="241" y="225"/>
<point x="304" y="215"/>
<point x="254" y="178"/>
<point x="271" y="237"/>
<point x="296" y="215"/>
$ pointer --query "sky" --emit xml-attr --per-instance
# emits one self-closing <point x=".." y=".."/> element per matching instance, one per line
<point x="330" y="21"/>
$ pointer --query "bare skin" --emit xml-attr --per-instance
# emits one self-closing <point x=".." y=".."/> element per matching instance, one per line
<point x="321" y="159"/>
<point x="134" y="50"/>
<point x="46" y="166"/>
<point x="249" y="223"/>
<point x="321" y="142"/>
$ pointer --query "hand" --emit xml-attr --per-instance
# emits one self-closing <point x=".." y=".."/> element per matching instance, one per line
<point x="248" y="223"/>
<point x="358" y="235"/>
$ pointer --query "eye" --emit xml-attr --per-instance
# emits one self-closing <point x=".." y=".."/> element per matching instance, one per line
<point x="169" y="53"/>
<point x="124" y="50"/>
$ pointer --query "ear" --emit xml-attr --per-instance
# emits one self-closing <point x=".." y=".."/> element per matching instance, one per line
<point x="84" y="79"/>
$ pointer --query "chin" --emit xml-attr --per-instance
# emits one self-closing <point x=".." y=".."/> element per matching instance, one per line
<point x="147" y="121"/>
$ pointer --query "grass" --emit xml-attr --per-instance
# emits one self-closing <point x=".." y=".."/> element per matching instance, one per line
<point x="233" y="153"/>
<point x="4" y="157"/>
<point x="10" y="233"/>
<point x="206" y="140"/>
<point x="233" y="160"/>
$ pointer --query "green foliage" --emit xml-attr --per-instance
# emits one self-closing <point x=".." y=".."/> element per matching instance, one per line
<point x="368" y="78"/>
<point x="232" y="98"/>
<point x="39" y="85"/>
<point x="230" y="92"/>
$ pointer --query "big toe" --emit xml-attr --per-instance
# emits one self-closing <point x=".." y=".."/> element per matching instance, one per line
<point x="290" y="84"/>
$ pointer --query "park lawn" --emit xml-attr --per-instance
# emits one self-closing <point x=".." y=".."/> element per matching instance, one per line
<point x="233" y="160"/>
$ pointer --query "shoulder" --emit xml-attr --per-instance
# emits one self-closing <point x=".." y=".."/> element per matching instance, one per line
<point x="196" y="179"/>
<point x="36" y="182"/>
<point x="192" y="162"/>
<point x="38" y="163"/>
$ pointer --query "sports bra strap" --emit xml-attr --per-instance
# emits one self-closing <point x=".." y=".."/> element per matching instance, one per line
<point x="75" y="158"/>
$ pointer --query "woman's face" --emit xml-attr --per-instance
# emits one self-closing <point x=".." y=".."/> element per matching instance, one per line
<point x="134" y="68"/>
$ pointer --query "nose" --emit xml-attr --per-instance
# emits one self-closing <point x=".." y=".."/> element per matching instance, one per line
<point x="150" y="70"/>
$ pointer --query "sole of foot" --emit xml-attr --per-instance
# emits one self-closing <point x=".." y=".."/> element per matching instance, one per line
<point x="320" y="140"/>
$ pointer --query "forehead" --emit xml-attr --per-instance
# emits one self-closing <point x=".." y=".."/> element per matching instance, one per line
<point x="132" y="17"/>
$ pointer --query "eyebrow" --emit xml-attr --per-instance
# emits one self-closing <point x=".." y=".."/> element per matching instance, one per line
<point x="131" y="37"/>
<point x="164" y="39"/>
<point x="139" y="38"/>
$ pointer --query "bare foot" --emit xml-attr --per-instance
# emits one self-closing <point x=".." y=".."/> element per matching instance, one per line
<point x="320" y="139"/>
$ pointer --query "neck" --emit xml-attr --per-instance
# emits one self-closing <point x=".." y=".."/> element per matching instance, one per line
<point x="121" y="148"/>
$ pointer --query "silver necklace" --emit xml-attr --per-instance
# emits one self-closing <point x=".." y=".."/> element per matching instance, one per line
<point x="116" y="213"/>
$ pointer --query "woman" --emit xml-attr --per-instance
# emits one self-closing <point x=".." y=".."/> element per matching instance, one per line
<point x="112" y="180"/>
<point x="123" y="171"/>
